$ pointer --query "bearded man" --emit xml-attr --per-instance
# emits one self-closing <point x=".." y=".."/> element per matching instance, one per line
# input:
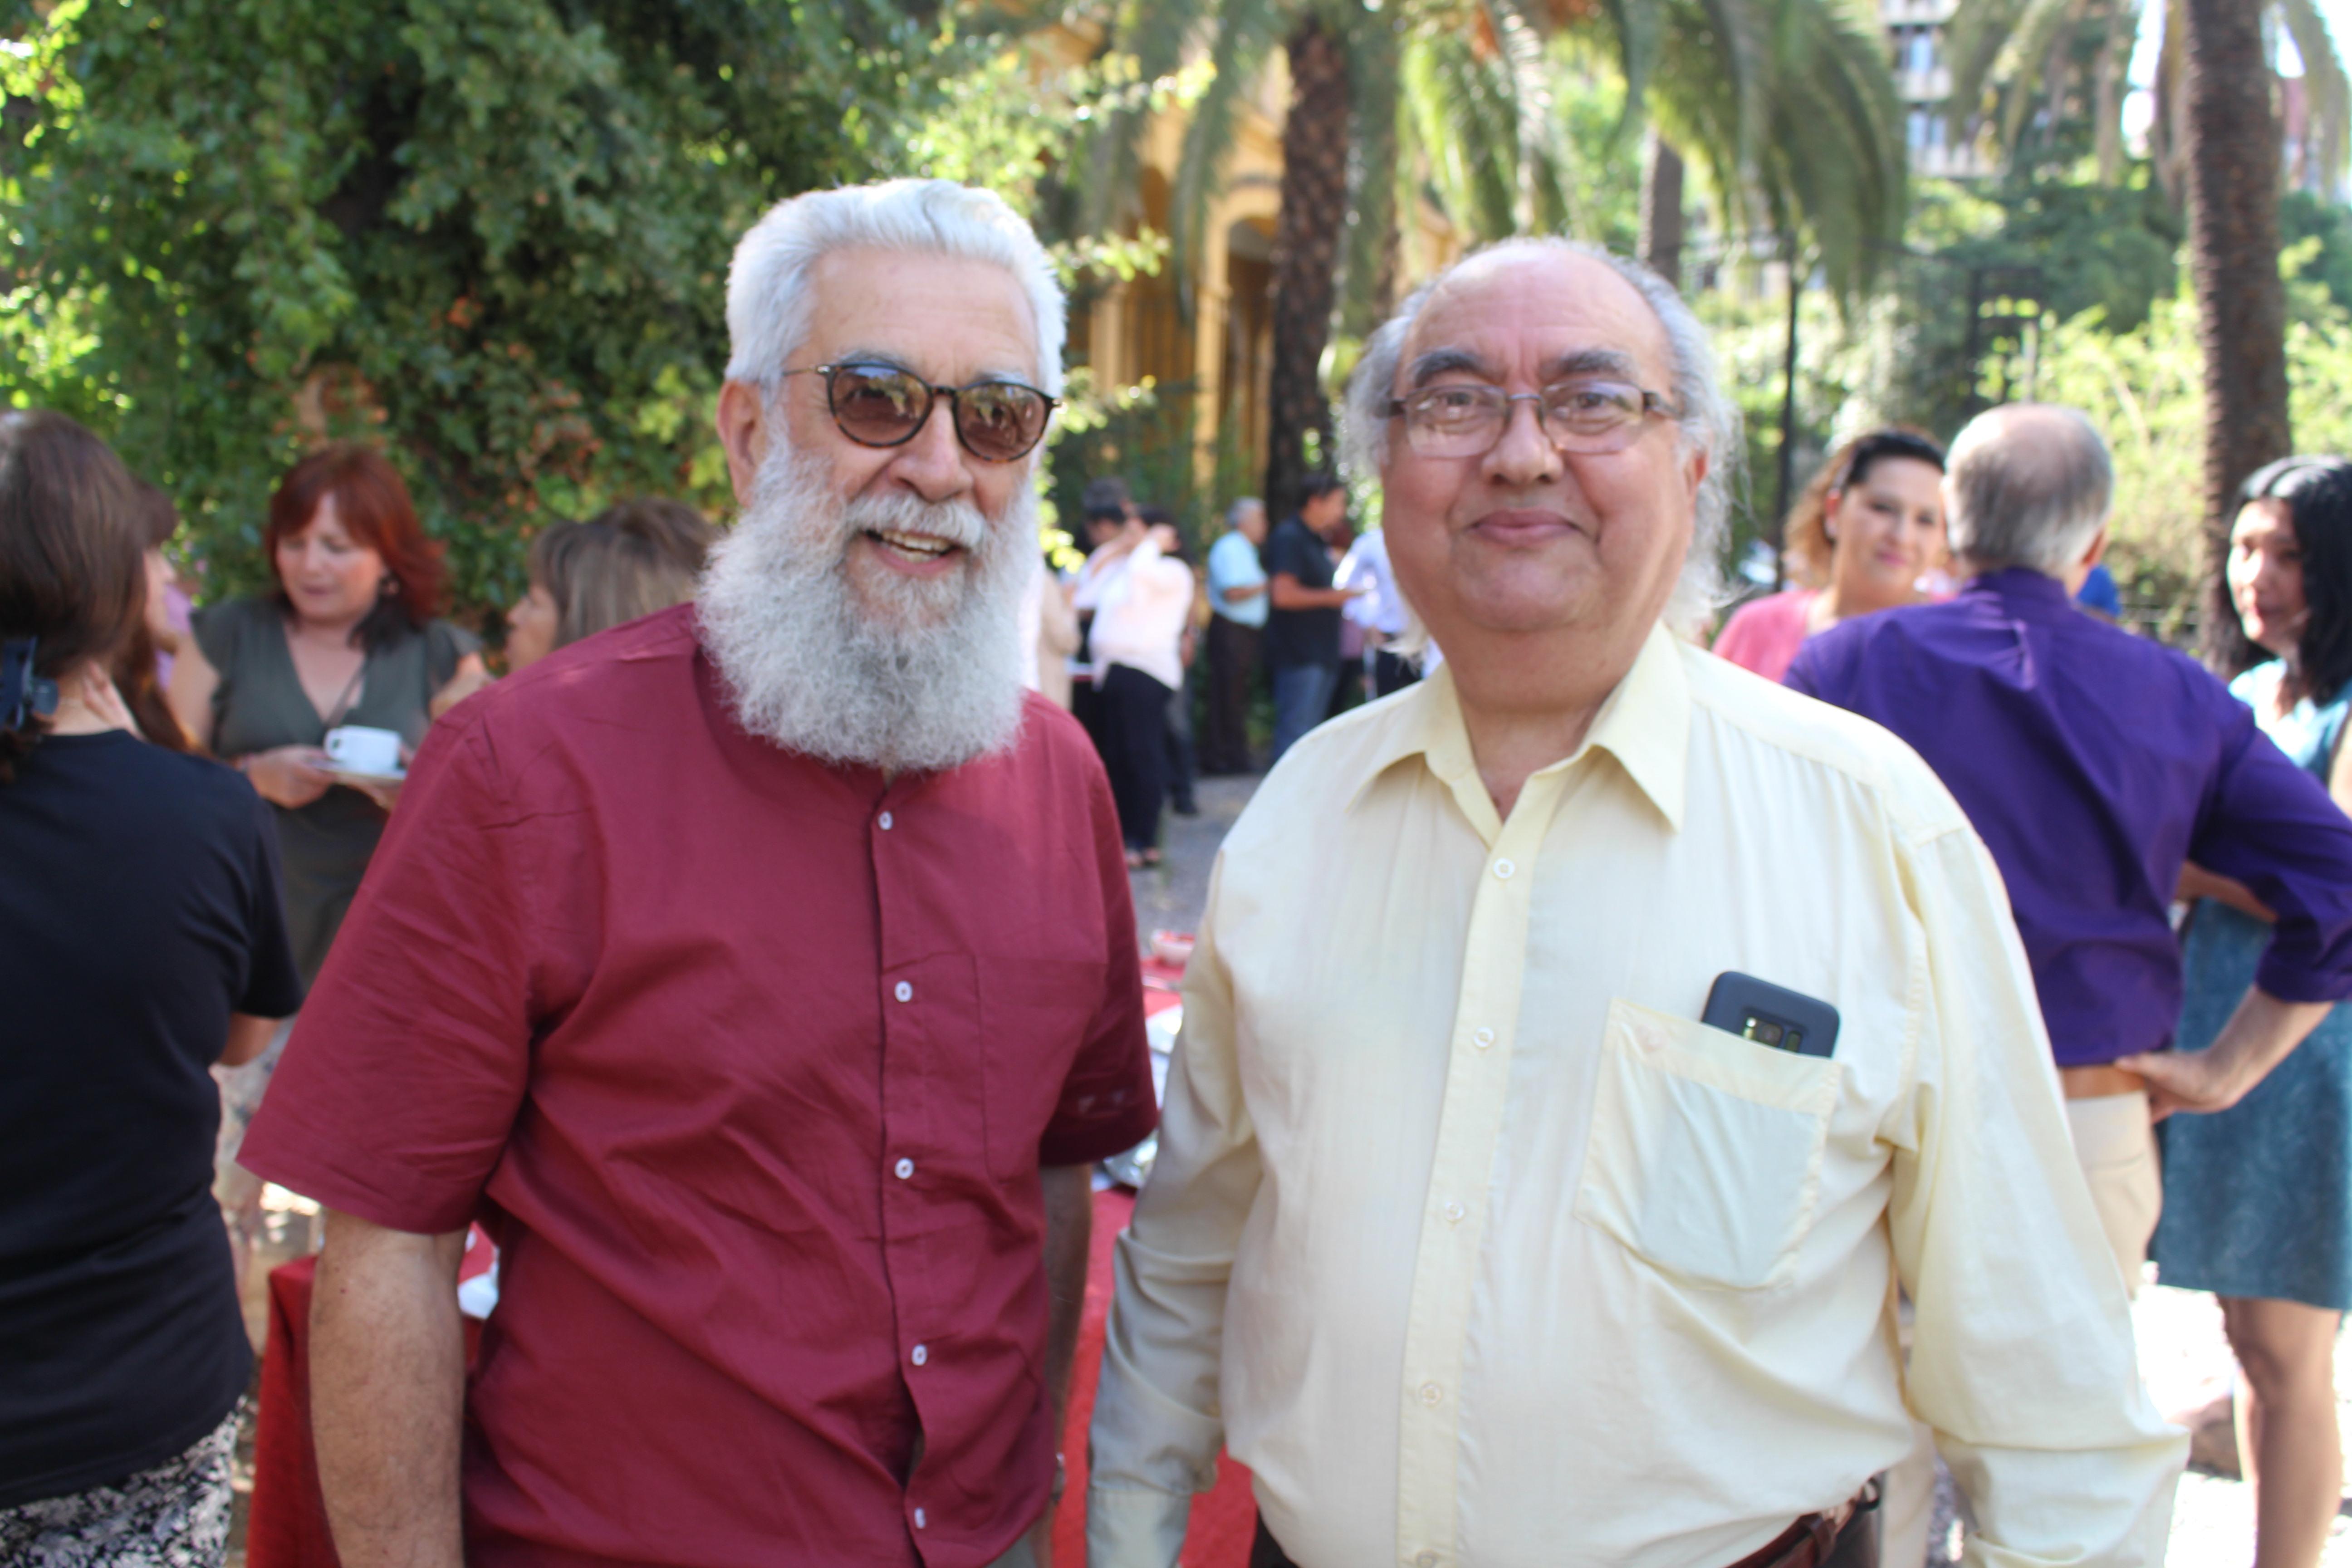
<point x="764" y="978"/>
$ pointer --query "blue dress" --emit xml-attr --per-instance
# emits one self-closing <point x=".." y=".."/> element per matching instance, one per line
<point x="2258" y="1198"/>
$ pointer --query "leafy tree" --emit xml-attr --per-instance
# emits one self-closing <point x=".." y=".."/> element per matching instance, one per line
<point x="490" y="235"/>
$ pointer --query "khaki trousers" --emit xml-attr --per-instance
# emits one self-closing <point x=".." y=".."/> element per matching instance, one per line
<point x="2116" y="1148"/>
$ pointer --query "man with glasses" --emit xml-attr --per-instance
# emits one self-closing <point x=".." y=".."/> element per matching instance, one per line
<point x="763" y="977"/>
<point x="1580" y="1048"/>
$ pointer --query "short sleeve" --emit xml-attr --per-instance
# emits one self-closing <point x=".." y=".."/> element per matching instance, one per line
<point x="273" y="985"/>
<point x="1107" y="1104"/>
<point x="445" y="647"/>
<point x="1281" y="554"/>
<point x="217" y="629"/>
<point x="427" y="985"/>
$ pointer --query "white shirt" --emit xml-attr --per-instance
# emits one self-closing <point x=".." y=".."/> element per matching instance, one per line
<point x="1383" y="610"/>
<point x="1140" y="604"/>
<point x="1480" y="1251"/>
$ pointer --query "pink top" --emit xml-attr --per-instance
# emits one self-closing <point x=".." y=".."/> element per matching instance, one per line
<point x="1763" y="635"/>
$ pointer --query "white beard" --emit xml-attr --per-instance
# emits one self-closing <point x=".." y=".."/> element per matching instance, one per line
<point x="895" y="672"/>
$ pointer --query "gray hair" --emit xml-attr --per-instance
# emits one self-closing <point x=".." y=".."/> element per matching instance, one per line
<point x="768" y="304"/>
<point x="1234" y="512"/>
<point x="2030" y="484"/>
<point x="1708" y="421"/>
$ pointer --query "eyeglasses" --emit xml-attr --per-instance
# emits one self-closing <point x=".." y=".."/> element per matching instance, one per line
<point x="1466" y="420"/>
<point x="881" y="406"/>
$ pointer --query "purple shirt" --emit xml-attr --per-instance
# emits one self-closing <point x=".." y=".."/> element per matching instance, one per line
<point x="2093" y="764"/>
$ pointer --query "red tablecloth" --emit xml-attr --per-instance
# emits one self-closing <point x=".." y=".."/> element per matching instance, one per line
<point x="287" y="1526"/>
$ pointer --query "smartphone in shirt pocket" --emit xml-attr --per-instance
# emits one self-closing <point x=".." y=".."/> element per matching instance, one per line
<point x="1705" y="1149"/>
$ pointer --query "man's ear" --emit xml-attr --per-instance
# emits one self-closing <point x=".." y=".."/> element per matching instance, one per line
<point x="1695" y="470"/>
<point x="2097" y="551"/>
<point x="742" y="421"/>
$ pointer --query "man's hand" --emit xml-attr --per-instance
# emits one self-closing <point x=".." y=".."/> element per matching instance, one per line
<point x="1069" y="1192"/>
<point x="388" y="1393"/>
<point x="2257" y="1037"/>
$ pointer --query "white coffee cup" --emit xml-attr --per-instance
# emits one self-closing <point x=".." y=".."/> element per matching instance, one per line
<point x="358" y="749"/>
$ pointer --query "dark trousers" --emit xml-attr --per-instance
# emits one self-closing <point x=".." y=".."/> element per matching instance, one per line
<point x="1131" y="728"/>
<point x="1233" y="671"/>
<point x="1857" y="1546"/>
<point x="1181" y="768"/>
<point x="1391" y="673"/>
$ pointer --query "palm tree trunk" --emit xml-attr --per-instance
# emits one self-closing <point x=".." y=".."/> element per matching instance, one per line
<point x="1662" y="210"/>
<point x="2234" y="239"/>
<point x="1305" y="257"/>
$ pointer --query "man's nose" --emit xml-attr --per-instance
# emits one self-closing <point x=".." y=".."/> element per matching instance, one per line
<point x="932" y="463"/>
<point x="1523" y="454"/>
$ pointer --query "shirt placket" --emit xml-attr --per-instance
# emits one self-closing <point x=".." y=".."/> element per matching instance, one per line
<point x="906" y="1147"/>
<point x="1454" y="1216"/>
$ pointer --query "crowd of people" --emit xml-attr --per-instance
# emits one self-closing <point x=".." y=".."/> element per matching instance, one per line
<point x="1635" y="1104"/>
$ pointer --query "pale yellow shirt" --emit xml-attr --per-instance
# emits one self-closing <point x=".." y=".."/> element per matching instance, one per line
<point x="1478" y="1249"/>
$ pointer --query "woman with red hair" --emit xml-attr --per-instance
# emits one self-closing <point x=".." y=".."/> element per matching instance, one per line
<point x="350" y="637"/>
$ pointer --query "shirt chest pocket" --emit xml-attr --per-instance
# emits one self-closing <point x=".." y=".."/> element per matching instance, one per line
<point x="1706" y="1150"/>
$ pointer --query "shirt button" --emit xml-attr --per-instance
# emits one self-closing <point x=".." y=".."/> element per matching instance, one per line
<point x="1425" y="1560"/>
<point x="1453" y="1213"/>
<point x="1483" y="1038"/>
<point x="1650" y="1038"/>
<point x="919" y="1520"/>
<point x="1431" y="1393"/>
<point x="903" y="991"/>
<point x="883" y="822"/>
<point x="922" y="1354"/>
<point x="904" y="1168"/>
<point x="1504" y="868"/>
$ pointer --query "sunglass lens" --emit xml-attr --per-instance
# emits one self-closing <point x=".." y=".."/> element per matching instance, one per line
<point x="1000" y="422"/>
<point x="878" y="407"/>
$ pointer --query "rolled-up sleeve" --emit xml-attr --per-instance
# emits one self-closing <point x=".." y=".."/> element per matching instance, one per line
<point x="402" y="1081"/>
<point x="2022" y="1360"/>
<point x="1157" y="1424"/>
<point x="2272" y="826"/>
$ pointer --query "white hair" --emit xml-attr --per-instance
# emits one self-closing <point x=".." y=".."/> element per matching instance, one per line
<point x="1708" y="420"/>
<point x="767" y="304"/>
<point x="894" y="672"/>
<point x="2029" y="486"/>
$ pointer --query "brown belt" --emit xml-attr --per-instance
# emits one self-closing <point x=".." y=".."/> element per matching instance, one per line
<point x="2093" y="1083"/>
<point x="1808" y="1542"/>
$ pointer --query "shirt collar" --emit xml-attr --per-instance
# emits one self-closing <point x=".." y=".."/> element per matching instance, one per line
<point x="1645" y="724"/>
<point x="2018" y="585"/>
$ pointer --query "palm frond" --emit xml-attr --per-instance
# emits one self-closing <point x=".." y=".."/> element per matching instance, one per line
<point x="1246" y="32"/>
<point x="2023" y="60"/>
<point x="1154" y="33"/>
<point x="1375" y="65"/>
<point x="2326" y="90"/>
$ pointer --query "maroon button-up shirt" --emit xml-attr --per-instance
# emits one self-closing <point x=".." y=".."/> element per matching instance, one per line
<point x="749" y="1065"/>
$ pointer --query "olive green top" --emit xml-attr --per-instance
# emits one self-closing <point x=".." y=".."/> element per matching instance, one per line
<point x="259" y="704"/>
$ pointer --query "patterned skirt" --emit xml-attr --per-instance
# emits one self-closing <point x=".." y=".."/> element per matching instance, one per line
<point x="173" y="1516"/>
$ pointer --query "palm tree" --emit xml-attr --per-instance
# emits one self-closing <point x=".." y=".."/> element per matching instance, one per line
<point x="1790" y="101"/>
<point x="2234" y="246"/>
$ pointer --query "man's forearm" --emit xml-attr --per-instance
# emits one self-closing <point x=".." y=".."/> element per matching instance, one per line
<point x="387" y="1394"/>
<point x="2257" y="1037"/>
<point x="1069" y="1234"/>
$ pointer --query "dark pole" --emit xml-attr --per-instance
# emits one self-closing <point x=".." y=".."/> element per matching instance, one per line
<point x="1787" y="433"/>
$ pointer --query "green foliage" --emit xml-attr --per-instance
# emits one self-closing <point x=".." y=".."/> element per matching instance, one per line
<point x="490" y="235"/>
